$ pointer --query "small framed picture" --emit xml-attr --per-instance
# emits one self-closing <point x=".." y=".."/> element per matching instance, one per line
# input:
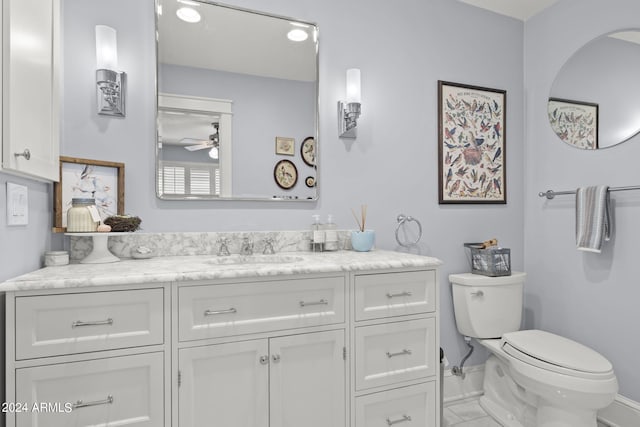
<point x="285" y="146"/>
<point x="84" y="178"/>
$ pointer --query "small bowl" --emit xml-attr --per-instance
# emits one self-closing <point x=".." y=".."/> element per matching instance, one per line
<point x="142" y="252"/>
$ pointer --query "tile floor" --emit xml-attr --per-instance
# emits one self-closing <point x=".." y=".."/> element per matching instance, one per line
<point x="467" y="413"/>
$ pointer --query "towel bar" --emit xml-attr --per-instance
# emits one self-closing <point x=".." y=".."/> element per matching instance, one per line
<point x="550" y="194"/>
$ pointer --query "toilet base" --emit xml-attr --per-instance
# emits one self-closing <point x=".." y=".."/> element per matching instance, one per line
<point x="513" y="406"/>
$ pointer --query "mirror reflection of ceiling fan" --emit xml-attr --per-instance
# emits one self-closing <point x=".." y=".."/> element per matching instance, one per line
<point x="201" y="144"/>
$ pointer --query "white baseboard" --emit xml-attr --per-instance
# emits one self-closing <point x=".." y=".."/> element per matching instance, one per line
<point x="455" y="388"/>
<point x="623" y="412"/>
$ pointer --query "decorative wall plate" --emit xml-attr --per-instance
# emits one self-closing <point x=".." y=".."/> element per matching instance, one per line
<point x="308" y="151"/>
<point x="285" y="174"/>
<point x="310" y="181"/>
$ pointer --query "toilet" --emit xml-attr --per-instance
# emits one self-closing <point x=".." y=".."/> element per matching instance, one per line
<point x="532" y="378"/>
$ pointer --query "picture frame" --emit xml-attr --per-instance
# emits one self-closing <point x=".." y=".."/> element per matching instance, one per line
<point x="285" y="146"/>
<point x="575" y="122"/>
<point x="101" y="179"/>
<point x="471" y="144"/>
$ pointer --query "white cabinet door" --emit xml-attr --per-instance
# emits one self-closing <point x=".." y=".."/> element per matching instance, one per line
<point x="224" y="385"/>
<point x="29" y="89"/>
<point x="117" y="391"/>
<point x="308" y="380"/>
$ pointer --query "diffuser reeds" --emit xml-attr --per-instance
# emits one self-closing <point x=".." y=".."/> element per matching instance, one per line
<point x="363" y="217"/>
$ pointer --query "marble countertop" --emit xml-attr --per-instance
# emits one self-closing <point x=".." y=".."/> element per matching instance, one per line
<point x="209" y="267"/>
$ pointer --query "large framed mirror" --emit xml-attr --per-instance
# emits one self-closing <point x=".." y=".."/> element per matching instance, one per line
<point x="237" y="110"/>
<point x="594" y="102"/>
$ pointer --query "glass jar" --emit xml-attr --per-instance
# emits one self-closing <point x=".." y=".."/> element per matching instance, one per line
<point x="79" y="218"/>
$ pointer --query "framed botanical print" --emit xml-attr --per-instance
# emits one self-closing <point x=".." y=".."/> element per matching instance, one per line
<point x="84" y="178"/>
<point x="575" y="122"/>
<point x="471" y="144"/>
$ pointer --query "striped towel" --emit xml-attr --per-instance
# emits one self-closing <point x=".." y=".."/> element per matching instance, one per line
<point x="593" y="218"/>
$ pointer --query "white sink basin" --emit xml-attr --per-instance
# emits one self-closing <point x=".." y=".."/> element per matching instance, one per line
<point x="254" y="259"/>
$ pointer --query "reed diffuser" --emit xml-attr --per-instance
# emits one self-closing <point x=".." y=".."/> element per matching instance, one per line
<point x="362" y="240"/>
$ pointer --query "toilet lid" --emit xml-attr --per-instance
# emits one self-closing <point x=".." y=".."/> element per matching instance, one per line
<point x="554" y="351"/>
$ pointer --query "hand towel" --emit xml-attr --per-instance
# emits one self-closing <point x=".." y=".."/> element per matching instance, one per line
<point x="593" y="218"/>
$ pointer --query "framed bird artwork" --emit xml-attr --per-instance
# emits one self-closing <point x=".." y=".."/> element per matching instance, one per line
<point x="99" y="180"/>
<point x="575" y="122"/>
<point x="471" y="144"/>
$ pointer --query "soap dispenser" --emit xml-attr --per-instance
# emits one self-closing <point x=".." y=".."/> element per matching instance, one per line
<point x="330" y="235"/>
<point x="317" y="235"/>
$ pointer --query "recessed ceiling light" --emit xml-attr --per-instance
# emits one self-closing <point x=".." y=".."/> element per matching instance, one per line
<point x="297" y="35"/>
<point x="188" y="14"/>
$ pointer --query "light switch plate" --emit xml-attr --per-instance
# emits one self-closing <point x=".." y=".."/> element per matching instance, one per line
<point x="17" y="204"/>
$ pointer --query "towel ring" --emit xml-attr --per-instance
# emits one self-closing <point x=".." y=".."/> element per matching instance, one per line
<point x="402" y="218"/>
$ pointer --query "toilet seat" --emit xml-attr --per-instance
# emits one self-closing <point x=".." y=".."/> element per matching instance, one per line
<point x="557" y="354"/>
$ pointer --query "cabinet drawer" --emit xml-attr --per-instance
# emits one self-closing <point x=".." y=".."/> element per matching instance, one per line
<point x="50" y="325"/>
<point x="410" y="406"/>
<point x="104" y="392"/>
<point x="393" y="352"/>
<point x="394" y="294"/>
<point x="244" y="308"/>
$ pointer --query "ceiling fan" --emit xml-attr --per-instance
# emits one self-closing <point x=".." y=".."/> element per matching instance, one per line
<point x="201" y="144"/>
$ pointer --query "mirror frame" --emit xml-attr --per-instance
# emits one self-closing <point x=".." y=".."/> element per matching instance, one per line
<point x="316" y="132"/>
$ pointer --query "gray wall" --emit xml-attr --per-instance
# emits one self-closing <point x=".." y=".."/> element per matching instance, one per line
<point x="592" y="298"/>
<point x="392" y="166"/>
<point x="285" y="108"/>
<point x="22" y="246"/>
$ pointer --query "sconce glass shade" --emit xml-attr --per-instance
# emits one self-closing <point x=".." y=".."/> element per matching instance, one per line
<point x="354" y="93"/>
<point x="111" y="83"/>
<point x="349" y="110"/>
<point x="106" y="48"/>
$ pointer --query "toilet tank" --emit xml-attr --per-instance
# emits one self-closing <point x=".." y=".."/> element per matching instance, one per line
<point x="487" y="307"/>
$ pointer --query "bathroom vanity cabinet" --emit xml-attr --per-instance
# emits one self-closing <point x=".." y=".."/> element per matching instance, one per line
<point x="29" y="93"/>
<point x="351" y="345"/>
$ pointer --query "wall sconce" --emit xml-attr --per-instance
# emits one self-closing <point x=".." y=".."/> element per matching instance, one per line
<point x="349" y="110"/>
<point x="111" y="83"/>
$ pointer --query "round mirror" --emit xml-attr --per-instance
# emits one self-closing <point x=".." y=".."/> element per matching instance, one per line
<point x="595" y="99"/>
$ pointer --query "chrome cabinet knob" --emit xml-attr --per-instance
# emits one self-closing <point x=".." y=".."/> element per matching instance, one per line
<point x="276" y="358"/>
<point x="264" y="360"/>
<point x="26" y="154"/>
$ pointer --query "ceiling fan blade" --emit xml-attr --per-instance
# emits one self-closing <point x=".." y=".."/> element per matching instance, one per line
<point x="198" y="147"/>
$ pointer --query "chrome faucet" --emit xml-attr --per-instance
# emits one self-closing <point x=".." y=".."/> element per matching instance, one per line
<point x="268" y="246"/>
<point x="247" y="246"/>
<point x="223" y="249"/>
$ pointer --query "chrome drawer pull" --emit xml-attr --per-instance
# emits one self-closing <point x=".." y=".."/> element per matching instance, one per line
<point x="404" y="352"/>
<point x="81" y="404"/>
<point x="79" y="323"/>
<point x="215" y="312"/>
<point x="401" y="294"/>
<point x="404" y="418"/>
<point x="321" y="302"/>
